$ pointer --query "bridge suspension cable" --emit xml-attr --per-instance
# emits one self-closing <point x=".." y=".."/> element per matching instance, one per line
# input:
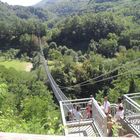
<point x="86" y="82"/>
<point x="108" y="78"/>
<point x="60" y="96"/>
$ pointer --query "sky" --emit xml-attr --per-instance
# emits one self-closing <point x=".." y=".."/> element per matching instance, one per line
<point x="21" y="2"/>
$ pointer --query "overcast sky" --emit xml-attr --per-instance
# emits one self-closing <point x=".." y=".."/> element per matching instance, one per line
<point x="21" y="2"/>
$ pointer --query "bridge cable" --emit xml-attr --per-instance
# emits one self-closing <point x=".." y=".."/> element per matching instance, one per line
<point x="108" y="78"/>
<point x="57" y="91"/>
<point x="119" y="67"/>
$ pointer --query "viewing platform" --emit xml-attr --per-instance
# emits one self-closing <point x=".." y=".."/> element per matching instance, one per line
<point x="96" y="125"/>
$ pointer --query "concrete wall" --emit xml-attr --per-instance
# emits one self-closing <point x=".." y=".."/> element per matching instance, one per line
<point x="14" y="136"/>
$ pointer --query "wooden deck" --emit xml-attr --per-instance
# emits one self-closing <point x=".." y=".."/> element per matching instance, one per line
<point x="14" y="136"/>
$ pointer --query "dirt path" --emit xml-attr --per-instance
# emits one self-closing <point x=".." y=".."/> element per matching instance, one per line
<point x="29" y="67"/>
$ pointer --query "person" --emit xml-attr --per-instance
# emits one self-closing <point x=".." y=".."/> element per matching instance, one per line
<point x="90" y="101"/>
<point x="69" y="116"/>
<point x="119" y="114"/>
<point x="110" y="124"/>
<point x="91" y="96"/>
<point x="78" y="114"/>
<point x="106" y="106"/>
<point x="73" y="111"/>
<point x="119" y="103"/>
<point x="88" y="111"/>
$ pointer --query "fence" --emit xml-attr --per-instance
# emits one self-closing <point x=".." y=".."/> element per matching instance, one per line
<point x="100" y="119"/>
<point x="96" y="116"/>
<point x="132" y="111"/>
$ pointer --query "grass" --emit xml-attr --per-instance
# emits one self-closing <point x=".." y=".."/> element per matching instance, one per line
<point x="16" y="64"/>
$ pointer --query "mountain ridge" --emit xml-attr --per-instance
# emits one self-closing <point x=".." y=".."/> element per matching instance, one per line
<point x="10" y="11"/>
<point x="69" y="7"/>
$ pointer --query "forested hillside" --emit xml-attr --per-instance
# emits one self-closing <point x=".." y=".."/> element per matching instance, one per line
<point x="92" y="47"/>
<point x="71" y="7"/>
<point x="21" y="12"/>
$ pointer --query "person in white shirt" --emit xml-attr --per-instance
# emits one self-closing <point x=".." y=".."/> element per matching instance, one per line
<point x="119" y="114"/>
<point x="106" y="106"/>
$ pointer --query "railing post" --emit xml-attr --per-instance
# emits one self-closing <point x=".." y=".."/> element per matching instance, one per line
<point x="63" y="117"/>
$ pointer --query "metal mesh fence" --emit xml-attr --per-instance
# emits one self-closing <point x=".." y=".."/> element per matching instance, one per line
<point x="132" y="111"/>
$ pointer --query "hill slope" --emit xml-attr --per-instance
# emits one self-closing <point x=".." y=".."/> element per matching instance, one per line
<point x="68" y="7"/>
<point x="10" y="12"/>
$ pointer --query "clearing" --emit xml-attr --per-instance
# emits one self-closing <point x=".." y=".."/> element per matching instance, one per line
<point x="18" y="65"/>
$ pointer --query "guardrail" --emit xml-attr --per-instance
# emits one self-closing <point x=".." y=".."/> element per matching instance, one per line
<point x="82" y="103"/>
<point x="97" y="116"/>
<point x="100" y="119"/>
<point x="132" y="111"/>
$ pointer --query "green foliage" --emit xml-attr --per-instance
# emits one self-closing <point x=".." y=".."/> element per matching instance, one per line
<point x="26" y="105"/>
<point x="116" y="128"/>
<point x="79" y="30"/>
<point x="80" y="48"/>
<point x="108" y="47"/>
<point x="22" y="12"/>
<point x="16" y="64"/>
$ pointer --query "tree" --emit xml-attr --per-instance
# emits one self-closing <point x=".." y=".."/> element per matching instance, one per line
<point x="108" y="47"/>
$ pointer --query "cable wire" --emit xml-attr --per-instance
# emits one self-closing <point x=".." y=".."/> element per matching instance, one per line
<point x="138" y="59"/>
<point x="108" y="78"/>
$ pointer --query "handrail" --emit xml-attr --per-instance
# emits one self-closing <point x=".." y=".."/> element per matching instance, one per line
<point x="132" y="94"/>
<point x="133" y="104"/>
<point x="76" y="100"/>
<point x="63" y="118"/>
<point x="132" y="112"/>
<point x="132" y="101"/>
<point x="98" y="114"/>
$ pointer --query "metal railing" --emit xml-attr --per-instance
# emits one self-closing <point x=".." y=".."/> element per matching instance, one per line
<point x="82" y="103"/>
<point x="100" y="119"/>
<point x="97" y="117"/>
<point x="135" y="97"/>
<point x="132" y="111"/>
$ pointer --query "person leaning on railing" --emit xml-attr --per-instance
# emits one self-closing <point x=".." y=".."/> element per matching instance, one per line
<point x="88" y="111"/>
<point x="119" y="103"/>
<point x="119" y="114"/>
<point x="78" y="114"/>
<point x="74" y="111"/>
<point x="91" y="99"/>
<point x="69" y="116"/>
